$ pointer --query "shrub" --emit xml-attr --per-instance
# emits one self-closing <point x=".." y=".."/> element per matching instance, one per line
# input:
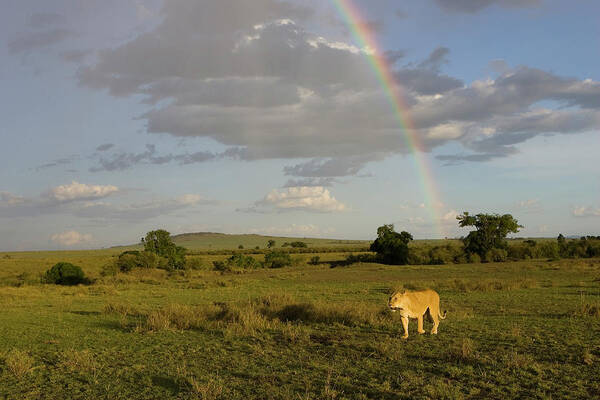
<point x="221" y="266"/>
<point x="242" y="261"/>
<point x="474" y="258"/>
<point x="65" y="273"/>
<point x="314" y="260"/>
<point x="129" y="260"/>
<point x="550" y="250"/>
<point x="194" y="263"/>
<point x="496" y="255"/>
<point x="298" y="245"/>
<point x="277" y="259"/>
<point x="441" y="255"/>
<point x="241" y="247"/>
<point x="109" y="269"/>
<point x="417" y="256"/>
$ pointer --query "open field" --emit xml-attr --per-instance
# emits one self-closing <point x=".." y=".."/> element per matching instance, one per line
<point x="526" y="329"/>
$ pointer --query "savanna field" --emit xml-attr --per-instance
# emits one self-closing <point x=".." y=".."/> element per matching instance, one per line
<point x="525" y="329"/>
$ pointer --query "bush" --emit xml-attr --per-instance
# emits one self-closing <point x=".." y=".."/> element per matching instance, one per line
<point x="221" y="266"/>
<point x="277" y="259"/>
<point x="109" y="269"/>
<point x="298" y="245"/>
<point x="314" y="260"/>
<point x="550" y="250"/>
<point x="65" y="273"/>
<point x="194" y="263"/>
<point x="496" y="255"/>
<point x="129" y="260"/>
<point x="474" y="258"/>
<point x="440" y="255"/>
<point x="242" y="261"/>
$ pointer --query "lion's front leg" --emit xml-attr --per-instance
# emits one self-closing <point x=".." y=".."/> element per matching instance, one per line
<point x="420" y="324"/>
<point x="405" y="326"/>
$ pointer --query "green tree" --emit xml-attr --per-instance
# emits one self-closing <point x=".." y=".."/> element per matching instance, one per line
<point x="491" y="231"/>
<point x="391" y="247"/>
<point x="270" y="243"/>
<point x="65" y="273"/>
<point x="562" y="245"/>
<point x="160" y="243"/>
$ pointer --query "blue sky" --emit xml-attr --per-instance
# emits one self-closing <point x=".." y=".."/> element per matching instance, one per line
<point x="119" y="117"/>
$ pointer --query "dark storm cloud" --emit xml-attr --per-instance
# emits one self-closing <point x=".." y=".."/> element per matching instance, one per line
<point x="325" y="182"/>
<point x="57" y="162"/>
<point x="105" y="147"/>
<point x="473" y="6"/>
<point x="271" y="89"/>
<point x="75" y="56"/>
<point x="26" y="42"/>
<point x="126" y="160"/>
<point x="42" y="20"/>
<point x="436" y="59"/>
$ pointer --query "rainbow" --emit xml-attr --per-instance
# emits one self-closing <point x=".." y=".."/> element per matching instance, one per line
<point x="366" y="40"/>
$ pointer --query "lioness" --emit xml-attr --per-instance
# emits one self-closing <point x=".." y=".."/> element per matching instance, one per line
<point x="415" y="305"/>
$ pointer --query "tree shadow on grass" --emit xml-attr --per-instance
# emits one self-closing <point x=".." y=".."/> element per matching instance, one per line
<point x="166" y="382"/>
<point x="86" y="312"/>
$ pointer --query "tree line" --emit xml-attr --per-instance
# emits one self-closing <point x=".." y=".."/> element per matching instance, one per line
<point x="486" y="243"/>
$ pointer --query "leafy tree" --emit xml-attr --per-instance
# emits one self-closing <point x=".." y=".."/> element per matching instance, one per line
<point x="562" y="245"/>
<point x="270" y="243"/>
<point x="391" y="247"/>
<point x="159" y="242"/>
<point x="65" y="273"/>
<point x="491" y="231"/>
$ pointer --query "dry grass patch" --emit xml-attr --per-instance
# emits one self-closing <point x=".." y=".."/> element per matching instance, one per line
<point x="269" y="312"/>
<point x="81" y="361"/>
<point x="464" y="351"/>
<point x="18" y="363"/>
<point x="588" y="310"/>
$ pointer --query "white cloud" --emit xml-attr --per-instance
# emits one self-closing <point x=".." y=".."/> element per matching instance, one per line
<point x="80" y="191"/>
<point x="528" y="203"/>
<point x="71" y="238"/>
<point x="306" y="198"/>
<point x="582" y="211"/>
<point x="449" y="217"/>
<point x="10" y="199"/>
<point x="190" y="199"/>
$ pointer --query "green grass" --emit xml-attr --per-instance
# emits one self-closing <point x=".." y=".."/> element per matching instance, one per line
<point x="514" y="330"/>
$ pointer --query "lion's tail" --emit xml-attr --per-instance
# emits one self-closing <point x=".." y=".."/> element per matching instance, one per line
<point x="442" y="316"/>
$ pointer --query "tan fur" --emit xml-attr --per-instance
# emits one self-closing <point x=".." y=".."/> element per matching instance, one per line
<point x="414" y="304"/>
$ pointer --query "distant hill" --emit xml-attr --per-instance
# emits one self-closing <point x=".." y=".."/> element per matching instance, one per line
<point x="223" y="241"/>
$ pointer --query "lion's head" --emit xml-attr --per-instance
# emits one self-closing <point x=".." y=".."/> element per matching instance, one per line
<point x="396" y="301"/>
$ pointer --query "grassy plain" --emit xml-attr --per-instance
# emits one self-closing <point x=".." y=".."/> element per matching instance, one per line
<point x="526" y="329"/>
